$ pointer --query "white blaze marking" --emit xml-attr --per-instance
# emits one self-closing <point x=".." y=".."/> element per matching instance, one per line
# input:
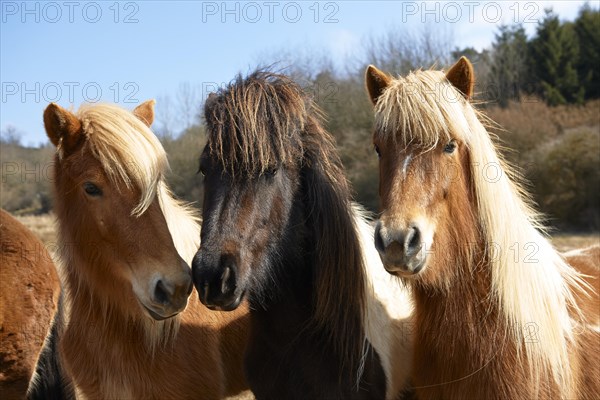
<point x="406" y="164"/>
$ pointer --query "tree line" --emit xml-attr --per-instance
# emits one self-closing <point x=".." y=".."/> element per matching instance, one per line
<point x="559" y="64"/>
<point x="541" y="90"/>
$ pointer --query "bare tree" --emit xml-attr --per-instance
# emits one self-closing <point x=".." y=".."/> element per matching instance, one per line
<point x="303" y="64"/>
<point x="188" y="104"/>
<point x="165" y="116"/>
<point x="399" y="50"/>
<point x="10" y="135"/>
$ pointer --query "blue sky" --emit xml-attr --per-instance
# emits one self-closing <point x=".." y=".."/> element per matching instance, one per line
<point x="70" y="52"/>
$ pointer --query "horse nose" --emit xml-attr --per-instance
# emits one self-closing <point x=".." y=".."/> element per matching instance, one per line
<point x="400" y="249"/>
<point x="172" y="293"/>
<point x="216" y="284"/>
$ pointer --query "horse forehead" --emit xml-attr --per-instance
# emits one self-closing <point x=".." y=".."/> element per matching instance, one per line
<point x="407" y="161"/>
<point x="82" y="164"/>
<point x="241" y="162"/>
<point x="405" y="164"/>
<point x="413" y="170"/>
<point x="400" y="164"/>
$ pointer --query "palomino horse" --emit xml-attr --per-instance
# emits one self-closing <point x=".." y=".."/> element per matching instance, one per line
<point x="279" y="228"/>
<point x="28" y="298"/>
<point x="499" y="313"/>
<point x="124" y="243"/>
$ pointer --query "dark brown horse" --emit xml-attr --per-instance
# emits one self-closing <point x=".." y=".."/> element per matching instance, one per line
<point x="500" y="314"/>
<point x="124" y="328"/>
<point x="279" y="229"/>
<point x="28" y="298"/>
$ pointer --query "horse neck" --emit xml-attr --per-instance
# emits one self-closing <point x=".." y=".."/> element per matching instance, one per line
<point x="319" y="308"/>
<point x="293" y="268"/>
<point x="465" y="319"/>
<point x="87" y="304"/>
<point x="464" y="303"/>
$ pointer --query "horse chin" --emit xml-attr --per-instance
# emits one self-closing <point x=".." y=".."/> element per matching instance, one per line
<point x="157" y="315"/>
<point x="406" y="271"/>
<point x="228" y="307"/>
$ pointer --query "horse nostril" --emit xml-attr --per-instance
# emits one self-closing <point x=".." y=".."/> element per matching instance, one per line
<point x="216" y="283"/>
<point x="378" y="239"/>
<point x="413" y="240"/>
<point x="224" y="280"/>
<point x="161" y="295"/>
<point x="228" y="280"/>
<point x="204" y="293"/>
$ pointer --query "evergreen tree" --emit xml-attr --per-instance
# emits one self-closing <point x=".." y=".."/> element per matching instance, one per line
<point x="554" y="56"/>
<point x="568" y="83"/>
<point x="587" y="28"/>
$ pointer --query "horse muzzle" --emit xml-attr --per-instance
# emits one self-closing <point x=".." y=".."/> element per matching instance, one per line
<point x="217" y="285"/>
<point x="168" y="296"/>
<point x="402" y="251"/>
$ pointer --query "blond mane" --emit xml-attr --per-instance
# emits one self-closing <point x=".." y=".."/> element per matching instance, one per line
<point x="130" y="152"/>
<point x="127" y="149"/>
<point x="424" y="109"/>
<point x="411" y="106"/>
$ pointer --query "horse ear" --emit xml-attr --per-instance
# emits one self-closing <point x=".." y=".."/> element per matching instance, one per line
<point x="210" y="102"/>
<point x="145" y="112"/>
<point x="376" y="82"/>
<point x="462" y="77"/>
<point x="62" y="127"/>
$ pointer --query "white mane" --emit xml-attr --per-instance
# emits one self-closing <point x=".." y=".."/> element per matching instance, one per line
<point x="389" y="309"/>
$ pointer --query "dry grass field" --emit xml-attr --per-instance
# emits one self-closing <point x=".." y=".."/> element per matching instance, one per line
<point x="44" y="226"/>
<point x="570" y="241"/>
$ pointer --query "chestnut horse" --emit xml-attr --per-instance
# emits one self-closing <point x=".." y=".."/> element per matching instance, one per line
<point x="499" y="312"/>
<point x="29" y="291"/>
<point x="279" y="229"/>
<point x="125" y="244"/>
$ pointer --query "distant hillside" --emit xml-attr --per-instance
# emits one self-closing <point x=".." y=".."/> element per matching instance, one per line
<point x="544" y="91"/>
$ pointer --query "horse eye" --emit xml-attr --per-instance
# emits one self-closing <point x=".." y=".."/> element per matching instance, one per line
<point x="450" y="147"/>
<point x="271" y="172"/>
<point x="202" y="166"/>
<point x="92" y="189"/>
<point x="377" y="151"/>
